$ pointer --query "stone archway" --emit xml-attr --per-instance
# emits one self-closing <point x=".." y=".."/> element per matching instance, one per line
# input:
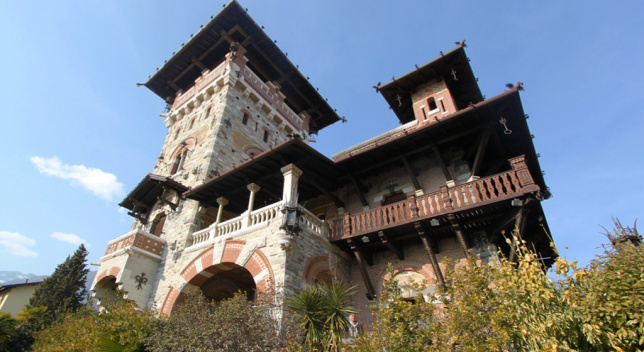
<point x="238" y="265"/>
<point x="228" y="280"/>
<point x="105" y="285"/>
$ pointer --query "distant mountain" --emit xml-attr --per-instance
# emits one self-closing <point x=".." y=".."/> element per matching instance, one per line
<point x="6" y="276"/>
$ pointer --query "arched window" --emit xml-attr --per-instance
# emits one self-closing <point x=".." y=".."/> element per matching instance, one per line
<point x="179" y="161"/>
<point x="245" y="119"/>
<point x="205" y="116"/>
<point x="176" y="133"/>
<point x="157" y="225"/>
<point x="192" y="123"/>
<point x="265" y="136"/>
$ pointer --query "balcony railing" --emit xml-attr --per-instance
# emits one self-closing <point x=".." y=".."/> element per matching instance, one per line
<point x="502" y="186"/>
<point x="256" y="220"/>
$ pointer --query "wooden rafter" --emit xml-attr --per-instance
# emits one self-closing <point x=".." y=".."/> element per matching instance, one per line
<point x="441" y="162"/>
<point x="411" y="173"/>
<point x="480" y="152"/>
<point x="361" y="190"/>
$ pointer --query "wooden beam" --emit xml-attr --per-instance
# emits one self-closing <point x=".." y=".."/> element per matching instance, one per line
<point x="478" y="159"/>
<point x="519" y="230"/>
<point x="391" y="244"/>
<point x="431" y="249"/>
<point x="338" y="203"/>
<point x="361" y="190"/>
<point x="460" y="233"/>
<point x="411" y="173"/>
<point x="441" y="162"/>
<point x="357" y="251"/>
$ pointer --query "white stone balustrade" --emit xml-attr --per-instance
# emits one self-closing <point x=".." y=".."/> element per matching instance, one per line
<point x="313" y="223"/>
<point x="258" y="219"/>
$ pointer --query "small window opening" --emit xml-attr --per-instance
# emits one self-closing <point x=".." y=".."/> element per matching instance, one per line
<point x="394" y="198"/>
<point x="176" y="133"/>
<point x="443" y="105"/>
<point x="192" y="123"/>
<point x="178" y="162"/>
<point x="432" y="104"/>
<point x="205" y="116"/>
<point x="424" y="113"/>
<point x="157" y="225"/>
<point x="265" y="136"/>
<point x="245" y="119"/>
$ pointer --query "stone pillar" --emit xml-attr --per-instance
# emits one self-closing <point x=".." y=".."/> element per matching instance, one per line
<point x="291" y="176"/>
<point x="253" y="188"/>
<point x="222" y="203"/>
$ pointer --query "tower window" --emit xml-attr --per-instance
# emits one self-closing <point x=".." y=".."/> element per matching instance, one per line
<point x="245" y="119"/>
<point x="205" y="116"/>
<point x="432" y="104"/>
<point x="179" y="161"/>
<point x="192" y="123"/>
<point x="265" y="136"/>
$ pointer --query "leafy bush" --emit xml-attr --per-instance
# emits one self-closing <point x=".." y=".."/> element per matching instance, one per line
<point x="234" y="324"/>
<point x="90" y="330"/>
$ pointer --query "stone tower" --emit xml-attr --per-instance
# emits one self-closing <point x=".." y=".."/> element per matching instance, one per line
<point x="231" y="94"/>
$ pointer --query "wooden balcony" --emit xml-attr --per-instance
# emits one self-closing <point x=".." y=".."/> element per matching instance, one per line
<point x="502" y="186"/>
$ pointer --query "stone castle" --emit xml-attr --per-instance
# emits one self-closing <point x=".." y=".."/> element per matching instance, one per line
<point x="238" y="200"/>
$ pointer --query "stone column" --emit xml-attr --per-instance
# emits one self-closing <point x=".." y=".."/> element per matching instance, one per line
<point x="291" y="176"/>
<point x="222" y="203"/>
<point x="253" y="188"/>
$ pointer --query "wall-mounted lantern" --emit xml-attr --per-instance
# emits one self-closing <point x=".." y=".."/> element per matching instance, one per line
<point x="292" y="220"/>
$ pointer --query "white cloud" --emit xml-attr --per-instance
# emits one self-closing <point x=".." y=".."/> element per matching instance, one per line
<point x="16" y="244"/>
<point x="103" y="184"/>
<point x="69" y="238"/>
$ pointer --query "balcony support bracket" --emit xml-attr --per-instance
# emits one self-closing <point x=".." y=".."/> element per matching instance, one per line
<point x="357" y="251"/>
<point x="391" y="244"/>
<point x="431" y="248"/>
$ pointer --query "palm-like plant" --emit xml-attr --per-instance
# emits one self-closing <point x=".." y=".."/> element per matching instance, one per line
<point x="323" y="310"/>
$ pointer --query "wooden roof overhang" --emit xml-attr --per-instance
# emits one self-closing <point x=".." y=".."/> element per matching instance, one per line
<point x="453" y="67"/>
<point x="208" y="47"/>
<point x="320" y="176"/>
<point x="465" y="124"/>
<point x="146" y="193"/>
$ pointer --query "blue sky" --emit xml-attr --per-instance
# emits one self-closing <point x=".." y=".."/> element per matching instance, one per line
<point x="78" y="134"/>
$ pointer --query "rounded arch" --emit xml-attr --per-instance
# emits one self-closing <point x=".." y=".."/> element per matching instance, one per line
<point x="318" y="269"/>
<point x="105" y="285"/>
<point x="180" y="154"/>
<point x="237" y="255"/>
<point x="407" y="274"/>
<point x="246" y="116"/>
<point x="156" y="227"/>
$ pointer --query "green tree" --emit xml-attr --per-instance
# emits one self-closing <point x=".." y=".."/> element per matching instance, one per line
<point x="8" y="332"/>
<point x="521" y="306"/>
<point x="323" y="311"/>
<point x="64" y="290"/>
<point x="120" y="326"/>
<point x="401" y="325"/>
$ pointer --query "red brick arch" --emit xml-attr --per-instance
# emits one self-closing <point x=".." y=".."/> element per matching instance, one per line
<point x="422" y="269"/>
<point x="105" y="275"/>
<point x="200" y="269"/>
